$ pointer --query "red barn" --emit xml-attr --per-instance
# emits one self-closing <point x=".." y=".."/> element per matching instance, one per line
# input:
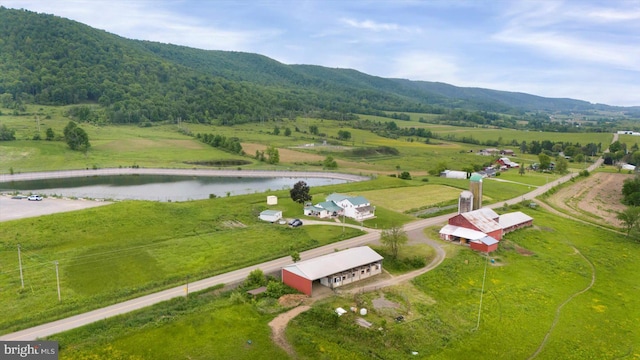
<point x="333" y="270"/>
<point x="486" y="244"/>
<point x="484" y="220"/>
<point x="514" y="221"/>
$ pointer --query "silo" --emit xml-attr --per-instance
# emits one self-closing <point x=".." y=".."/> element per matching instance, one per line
<point x="465" y="202"/>
<point x="475" y="185"/>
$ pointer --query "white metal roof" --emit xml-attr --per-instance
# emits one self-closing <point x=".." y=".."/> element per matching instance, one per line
<point x="461" y="232"/>
<point x="483" y="219"/>
<point x="319" y="267"/>
<point x="487" y="240"/>
<point x="514" y="218"/>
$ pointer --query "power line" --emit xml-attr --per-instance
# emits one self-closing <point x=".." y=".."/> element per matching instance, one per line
<point x="482" y="292"/>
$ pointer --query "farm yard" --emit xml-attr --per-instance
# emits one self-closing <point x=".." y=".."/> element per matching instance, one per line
<point x="535" y="271"/>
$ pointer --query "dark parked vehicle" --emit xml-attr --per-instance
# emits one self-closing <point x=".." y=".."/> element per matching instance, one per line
<point x="296" y="223"/>
<point x="292" y="221"/>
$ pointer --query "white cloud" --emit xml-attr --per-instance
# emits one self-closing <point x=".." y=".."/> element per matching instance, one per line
<point x="139" y="20"/>
<point x="371" y="25"/>
<point x="424" y="66"/>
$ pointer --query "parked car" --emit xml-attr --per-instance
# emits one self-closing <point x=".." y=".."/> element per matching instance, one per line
<point x="34" y="198"/>
<point x="292" y="221"/>
<point x="296" y="223"/>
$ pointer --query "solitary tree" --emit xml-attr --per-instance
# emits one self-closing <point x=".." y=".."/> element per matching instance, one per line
<point x="561" y="165"/>
<point x="300" y="192"/>
<point x="273" y="155"/>
<point x="330" y="163"/>
<point x="287" y="132"/>
<point x="295" y="256"/>
<point x="394" y="239"/>
<point x="521" y="170"/>
<point x="76" y="137"/>
<point x="545" y="161"/>
<point x="50" y="134"/>
<point x="629" y="218"/>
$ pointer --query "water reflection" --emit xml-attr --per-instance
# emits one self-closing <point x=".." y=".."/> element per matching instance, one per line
<point x="158" y="187"/>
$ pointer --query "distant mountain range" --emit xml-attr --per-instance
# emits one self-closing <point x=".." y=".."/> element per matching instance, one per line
<point x="51" y="60"/>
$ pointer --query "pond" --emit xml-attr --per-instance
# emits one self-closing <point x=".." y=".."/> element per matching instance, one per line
<point x="158" y="187"/>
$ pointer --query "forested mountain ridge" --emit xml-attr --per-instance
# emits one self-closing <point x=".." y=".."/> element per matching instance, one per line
<point x="51" y="60"/>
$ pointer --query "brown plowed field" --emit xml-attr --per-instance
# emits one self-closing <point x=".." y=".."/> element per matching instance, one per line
<point x="596" y="197"/>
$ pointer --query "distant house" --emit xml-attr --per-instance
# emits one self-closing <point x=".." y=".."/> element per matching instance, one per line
<point x="487" y="172"/>
<point x="489" y="152"/>
<point x="271" y="215"/>
<point x="355" y="207"/>
<point x="333" y="270"/>
<point x="507" y="152"/>
<point x="454" y="174"/>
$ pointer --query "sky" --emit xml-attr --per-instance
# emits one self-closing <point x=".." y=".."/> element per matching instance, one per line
<point x="580" y="49"/>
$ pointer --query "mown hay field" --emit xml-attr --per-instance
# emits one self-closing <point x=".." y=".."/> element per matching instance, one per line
<point x="405" y="199"/>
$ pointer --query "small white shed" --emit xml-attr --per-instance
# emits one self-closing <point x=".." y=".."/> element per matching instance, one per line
<point x="272" y="200"/>
<point x="271" y="215"/>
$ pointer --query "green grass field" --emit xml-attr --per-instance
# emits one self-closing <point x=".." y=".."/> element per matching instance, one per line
<point x="123" y="250"/>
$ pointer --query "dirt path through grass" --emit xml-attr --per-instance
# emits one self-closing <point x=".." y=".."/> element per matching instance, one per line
<point x="559" y="309"/>
<point x="279" y="324"/>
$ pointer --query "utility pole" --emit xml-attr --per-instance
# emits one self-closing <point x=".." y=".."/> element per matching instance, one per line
<point x="20" y="262"/>
<point x="482" y="292"/>
<point x="58" y="281"/>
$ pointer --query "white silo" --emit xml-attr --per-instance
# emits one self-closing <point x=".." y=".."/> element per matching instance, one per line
<point x="465" y="202"/>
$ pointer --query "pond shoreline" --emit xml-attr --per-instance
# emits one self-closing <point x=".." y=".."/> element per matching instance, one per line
<point x="7" y="178"/>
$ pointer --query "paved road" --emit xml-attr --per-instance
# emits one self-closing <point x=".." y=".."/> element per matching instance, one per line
<point x="239" y="275"/>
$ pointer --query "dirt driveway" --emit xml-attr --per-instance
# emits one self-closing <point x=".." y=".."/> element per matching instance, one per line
<point x="598" y="197"/>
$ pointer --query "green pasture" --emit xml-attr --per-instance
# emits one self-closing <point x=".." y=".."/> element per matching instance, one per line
<point x="166" y="145"/>
<point x="405" y="199"/>
<point x="507" y="136"/>
<point x="206" y="326"/>
<point x="535" y="271"/>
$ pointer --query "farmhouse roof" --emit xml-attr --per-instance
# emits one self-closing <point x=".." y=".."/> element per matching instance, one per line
<point x="329" y="206"/>
<point x="514" y="218"/>
<point x="335" y="197"/>
<point x="358" y="200"/>
<point x="319" y="267"/>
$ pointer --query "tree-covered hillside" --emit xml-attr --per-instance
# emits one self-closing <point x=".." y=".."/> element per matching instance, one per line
<point x="46" y="59"/>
